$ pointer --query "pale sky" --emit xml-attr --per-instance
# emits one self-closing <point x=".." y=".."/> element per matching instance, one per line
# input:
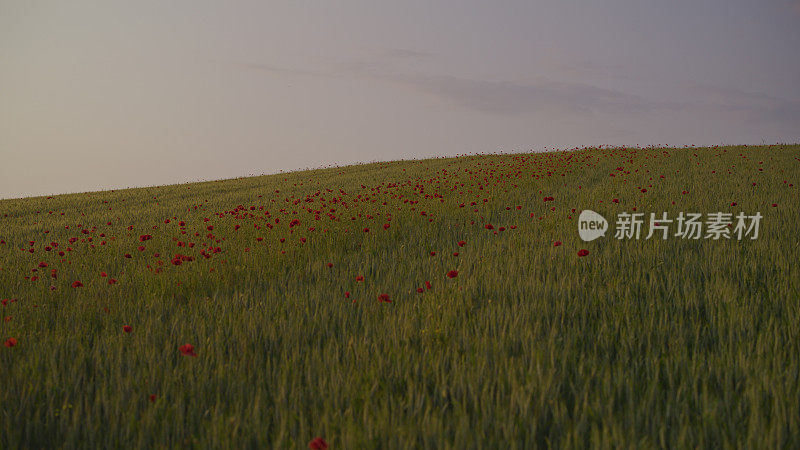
<point x="102" y="95"/>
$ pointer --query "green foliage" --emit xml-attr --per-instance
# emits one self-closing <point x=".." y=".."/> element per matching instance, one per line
<point x="641" y="343"/>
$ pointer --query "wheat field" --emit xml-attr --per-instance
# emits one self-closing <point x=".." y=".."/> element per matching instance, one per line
<point x="439" y="303"/>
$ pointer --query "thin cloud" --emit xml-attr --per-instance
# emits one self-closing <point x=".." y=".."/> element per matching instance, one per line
<point x="757" y="106"/>
<point x="378" y="59"/>
<point x="271" y="68"/>
<point x="506" y="97"/>
<point x="403" y="53"/>
<point x="515" y="98"/>
<point x="545" y="95"/>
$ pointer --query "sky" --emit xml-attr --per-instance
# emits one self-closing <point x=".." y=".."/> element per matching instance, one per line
<point x="106" y="94"/>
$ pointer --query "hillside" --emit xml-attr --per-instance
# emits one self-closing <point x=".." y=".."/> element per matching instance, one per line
<point x="407" y="304"/>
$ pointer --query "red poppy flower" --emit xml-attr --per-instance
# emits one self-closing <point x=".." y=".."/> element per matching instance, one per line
<point x="384" y="298"/>
<point x="10" y="342"/>
<point x="462" y="243"/>
<point x="347" y="294"/>
<point x="112" y="281"/>
<point x="318" y="444"/>
<point x="77" y="284"/>
<point x="366" y="230"/>
<point x="489" y="226"/>
<point x="152" y="398"/>
<point x="433" y="253"/>
<point x="583" y="252"/>
<point x="452" y="274"/>
<point x="360" y="278"/>
<point x="330" y="265"/>
<point x="127" y="328"/>
<point x="556" y="243"/>
<point x="42" y="264"/>
<point x="428" y="284"/>
<point x="145" y="237"/>
<point x="420" y="290"/>
<point x="187" y="350"/>
<point x="386" y="226"/>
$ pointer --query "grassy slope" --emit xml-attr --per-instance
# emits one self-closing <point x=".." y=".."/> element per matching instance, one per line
<point x="640" y="343"/>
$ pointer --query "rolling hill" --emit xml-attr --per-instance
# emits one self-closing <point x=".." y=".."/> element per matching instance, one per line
<point x="445" y="303"/>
